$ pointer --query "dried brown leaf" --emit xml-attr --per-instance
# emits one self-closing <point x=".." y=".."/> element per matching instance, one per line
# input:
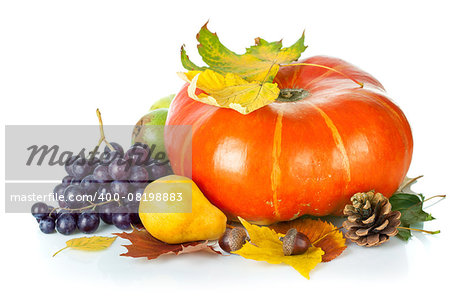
<point x="143" y="244"/>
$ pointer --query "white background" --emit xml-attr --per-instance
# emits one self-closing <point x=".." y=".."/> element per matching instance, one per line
<point x="60" y="60"/>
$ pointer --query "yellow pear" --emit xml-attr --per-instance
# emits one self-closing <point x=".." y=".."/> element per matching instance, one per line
<point x="174" y="210"/>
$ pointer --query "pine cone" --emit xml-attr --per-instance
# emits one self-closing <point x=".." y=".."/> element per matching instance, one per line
<point x="370" y="220"/>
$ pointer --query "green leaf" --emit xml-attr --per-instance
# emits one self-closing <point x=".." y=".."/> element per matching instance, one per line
<point x="411" y="208"/>
<point x="187" y="63"/>
<point x="274" y="51"/>
<point x="404" y="234"/>
<point x="256" y="64"/>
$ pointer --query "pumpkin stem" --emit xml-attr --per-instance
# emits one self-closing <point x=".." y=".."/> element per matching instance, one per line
<point x="292" y="95"/>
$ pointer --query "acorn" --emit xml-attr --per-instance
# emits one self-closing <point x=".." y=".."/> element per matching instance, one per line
<point x="233" y="239"/>
<point x="295" y="243"/>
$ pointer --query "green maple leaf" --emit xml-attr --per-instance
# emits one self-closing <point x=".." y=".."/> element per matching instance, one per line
<point x="259" y="63"/>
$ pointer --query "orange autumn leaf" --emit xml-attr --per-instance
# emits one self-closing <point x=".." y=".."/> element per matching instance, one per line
<point x="143" y="244"/>
<point x="333" y="244"/>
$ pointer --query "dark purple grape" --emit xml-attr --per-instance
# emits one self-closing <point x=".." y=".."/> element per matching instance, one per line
<point x="95" y="165"/>
<point x="138" y="192"/>
<point x="142" y="145"/>
<point x="133" y="209"/>
<point x="88" y="222"/>
<point x="106" y="211"/>
<point x="52" y="212"/>
<point x="121" y="218"/>
<point x="120" y="188"/>
<point x="138" y="176"/>
<point x="75" y="181"/>
<point x="73" y="213"/>
<point x="60" y="212"/>
<point x="107" y="157"/>
<point x="66" y="224"/>
<point x="74" y="196"/>
<point x="101" y="174"/>
<point x="81" y="168"/>
<point x="158" y="170"/>
<point x="58" y="192"/>
<point x="119" y="169"/>
<point x="116" y="147"/>
<point x="137" y="155"/>
<point x="136" y="197"/>
<point x="130" y="197"/>
<point x="39" y="210"/>
<point x="47" y="225"/>
<point x="134" y="218"/>
<point x="66" y="180"/>
<point x="89" y="184"/>
<point x="93" y="162"/>
<point x="68" y="164"/>
<point x="104" y="193"/>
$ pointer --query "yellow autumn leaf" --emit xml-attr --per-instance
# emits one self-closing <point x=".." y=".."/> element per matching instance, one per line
<point x="266" y="246"/>
<point x="93" y="243"/>
<point x="263" y="237"/>
<point x="230" y="91"/>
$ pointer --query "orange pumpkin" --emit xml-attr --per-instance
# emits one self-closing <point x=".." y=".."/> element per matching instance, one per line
<point x="307" y="154"/>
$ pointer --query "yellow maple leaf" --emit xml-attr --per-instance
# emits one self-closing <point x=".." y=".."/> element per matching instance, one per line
<point x="266" y="246"/>
<point x="230" y="91"/>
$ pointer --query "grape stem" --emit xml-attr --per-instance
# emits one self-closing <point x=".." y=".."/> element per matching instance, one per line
<point x="102" y="136"/>
<point x="102" y="133"/>
<point x="94" y="205"/>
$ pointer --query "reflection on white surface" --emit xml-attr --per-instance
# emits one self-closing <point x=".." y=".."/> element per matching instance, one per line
<point x="392" y="264"/>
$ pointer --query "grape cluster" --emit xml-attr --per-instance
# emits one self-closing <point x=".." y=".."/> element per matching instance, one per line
<point x="106" y="188"/>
